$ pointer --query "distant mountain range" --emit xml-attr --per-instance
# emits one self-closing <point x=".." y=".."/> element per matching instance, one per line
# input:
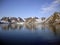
<point x="53" y="19"/>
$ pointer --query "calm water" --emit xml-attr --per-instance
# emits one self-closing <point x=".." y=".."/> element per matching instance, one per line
<point x="29" y="34"/>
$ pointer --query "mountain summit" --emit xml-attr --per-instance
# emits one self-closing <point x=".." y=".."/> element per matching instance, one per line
<point x="55" y="18"/>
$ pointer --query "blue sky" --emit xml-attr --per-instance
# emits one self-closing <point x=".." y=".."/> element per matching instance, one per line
<point x="28" y="8"/>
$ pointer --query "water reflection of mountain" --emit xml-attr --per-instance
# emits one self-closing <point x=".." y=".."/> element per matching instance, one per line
<point x="4" y="26"/>
<point x="30" y="26"/>
<point x="54" y="28"/>
<point x="10" y="26"/>
<point x="41" y="26"/>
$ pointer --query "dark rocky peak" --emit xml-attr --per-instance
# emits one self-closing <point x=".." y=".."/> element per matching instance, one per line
<point x="20" y="19"/>
<point x="13" y="18"/>
<point x="5" y="18"/>
<point x="43" y="18"/>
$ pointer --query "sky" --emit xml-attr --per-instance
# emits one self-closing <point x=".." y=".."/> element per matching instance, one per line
<point x="28" y="8"/>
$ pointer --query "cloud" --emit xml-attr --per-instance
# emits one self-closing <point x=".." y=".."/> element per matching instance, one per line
<point x="51" y="7"/>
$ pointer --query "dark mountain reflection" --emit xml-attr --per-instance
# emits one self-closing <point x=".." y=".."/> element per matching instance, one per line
<point x="4" y="26"/>
<point x="53" y="28"/>
<point x="13" y="26"/>
<point x="10" y="26"/>
<point x="31" y="26"/>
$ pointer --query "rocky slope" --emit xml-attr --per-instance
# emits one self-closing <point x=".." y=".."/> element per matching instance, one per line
<point x="55" y="18"/>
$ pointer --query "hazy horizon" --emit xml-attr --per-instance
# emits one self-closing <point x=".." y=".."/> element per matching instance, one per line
<point x="28" y="8"/>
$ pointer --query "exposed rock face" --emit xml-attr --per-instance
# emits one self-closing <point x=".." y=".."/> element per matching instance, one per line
<point x="20" y="19"/>
<point x="5" y="20"/>
<point x="30" y="20"/>
<point x="36" y="18"/>
<point x="55" y="18"/>
<point x="13" y="19"/>
<point x="41" y="20"/>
